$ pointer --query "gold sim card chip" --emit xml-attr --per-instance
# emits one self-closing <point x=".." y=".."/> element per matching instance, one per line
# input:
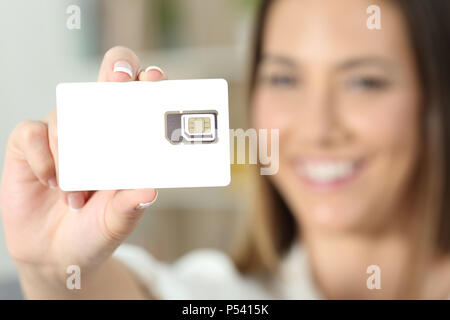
<point x="199" y="125"/>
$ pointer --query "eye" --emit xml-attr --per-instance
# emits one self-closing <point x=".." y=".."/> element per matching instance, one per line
<point x="280" y="80"/>
<point x="368" y="83"/>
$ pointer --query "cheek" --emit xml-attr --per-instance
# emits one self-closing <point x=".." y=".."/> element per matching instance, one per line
<point x="389" y="132"/>
<point x="268" y="114"/>
<point x="390" y="125"/>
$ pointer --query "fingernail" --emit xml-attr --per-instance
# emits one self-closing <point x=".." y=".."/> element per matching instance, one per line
<point x="76" y="201"/>
<point x="154" y="68"/>
<point x="123" y="66"/>
<point x="142" y="206"/>
<point x="52" y="183"/>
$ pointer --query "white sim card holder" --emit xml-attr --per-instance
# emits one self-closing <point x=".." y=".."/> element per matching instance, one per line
<point x="129" y="135"/>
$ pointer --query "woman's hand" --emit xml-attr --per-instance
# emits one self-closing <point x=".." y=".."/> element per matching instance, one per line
<point x="47" y="229"/>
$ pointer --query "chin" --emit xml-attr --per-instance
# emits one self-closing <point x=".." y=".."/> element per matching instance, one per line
<point x="333" y="217"/>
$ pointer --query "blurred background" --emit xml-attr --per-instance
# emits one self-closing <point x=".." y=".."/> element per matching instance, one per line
<point x="186" y="38"/>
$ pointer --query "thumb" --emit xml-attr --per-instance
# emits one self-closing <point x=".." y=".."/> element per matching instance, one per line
<point x="125" y="210"/>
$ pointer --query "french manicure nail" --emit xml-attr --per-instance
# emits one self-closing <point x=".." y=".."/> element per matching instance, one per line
<point x="154" y="68"/>
<point x="142" y="206"/>
<point x="75" y="201"/>
<point x="123" y="66"/>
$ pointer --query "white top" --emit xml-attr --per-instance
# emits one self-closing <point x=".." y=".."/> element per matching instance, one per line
<point x="211" y="274"/>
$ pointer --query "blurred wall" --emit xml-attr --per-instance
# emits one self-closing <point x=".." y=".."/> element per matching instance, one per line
<point x="187" y="38"/>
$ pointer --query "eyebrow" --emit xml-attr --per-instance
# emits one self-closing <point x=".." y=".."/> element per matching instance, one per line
<point x="341" y="66"/>
<point x="279" y="59"/>
<point x="365" y="61"/>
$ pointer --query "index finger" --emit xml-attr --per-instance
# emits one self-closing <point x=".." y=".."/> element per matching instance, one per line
<point x="119" y="64"/>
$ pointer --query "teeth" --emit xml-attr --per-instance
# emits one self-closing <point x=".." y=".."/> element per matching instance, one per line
<point x="327" y="171"/>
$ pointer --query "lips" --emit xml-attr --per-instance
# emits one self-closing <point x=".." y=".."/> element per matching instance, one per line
<point x="326" y="173"/>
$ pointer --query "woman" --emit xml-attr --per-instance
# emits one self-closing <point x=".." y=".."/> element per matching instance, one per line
<point x="362" y="182"/>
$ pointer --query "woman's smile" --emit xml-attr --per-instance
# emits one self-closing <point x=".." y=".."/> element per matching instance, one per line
<point x="326" y="174"/>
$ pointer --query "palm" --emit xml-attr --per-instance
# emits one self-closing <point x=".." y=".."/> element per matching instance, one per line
<point x="39" y="225"/>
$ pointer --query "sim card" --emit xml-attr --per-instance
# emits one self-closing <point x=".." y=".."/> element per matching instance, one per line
<point x="130" y="135"/>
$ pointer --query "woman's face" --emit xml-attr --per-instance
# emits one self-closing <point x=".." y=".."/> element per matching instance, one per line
<point x="346" y="101"/>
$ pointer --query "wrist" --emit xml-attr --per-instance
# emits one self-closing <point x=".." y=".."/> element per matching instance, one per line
<point x="59" y="282"/>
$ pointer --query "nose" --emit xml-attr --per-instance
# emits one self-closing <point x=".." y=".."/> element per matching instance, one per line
<point x="317" y="120"/>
